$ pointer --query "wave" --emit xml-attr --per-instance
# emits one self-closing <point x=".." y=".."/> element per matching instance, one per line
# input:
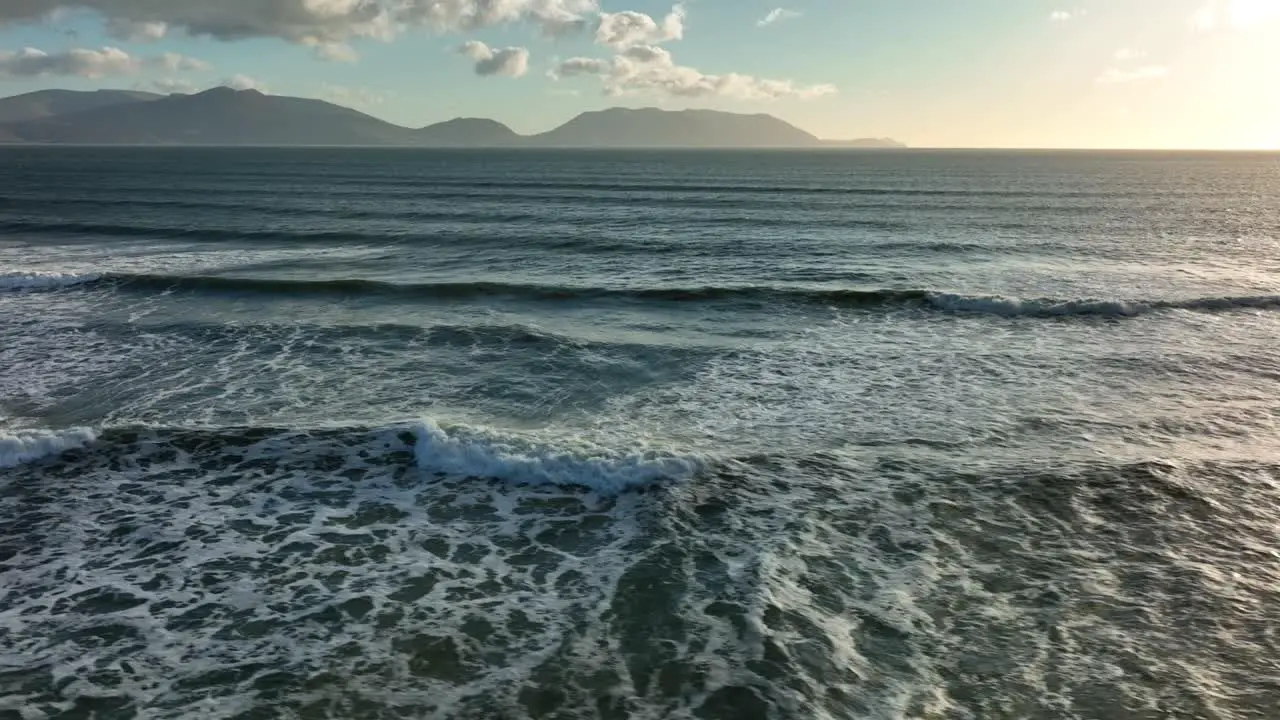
<point x="454" y="450"/>
<point x="18" y="281"/>
<point x="1046" y="307"/>
<point x="24" y="446"/>
<point x="952" y="303"/>
<point x="472" y="452"/>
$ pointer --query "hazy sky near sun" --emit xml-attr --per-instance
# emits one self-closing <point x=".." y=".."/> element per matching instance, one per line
<point x="953" y="73"/>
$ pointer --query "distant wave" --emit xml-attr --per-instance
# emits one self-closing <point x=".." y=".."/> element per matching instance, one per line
<point x="764" y="294"/>
<point x="1046" y="307"/>
<point x="24" y="446"/>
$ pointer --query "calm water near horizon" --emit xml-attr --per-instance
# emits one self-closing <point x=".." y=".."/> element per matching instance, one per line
<point x="322" y="433"/>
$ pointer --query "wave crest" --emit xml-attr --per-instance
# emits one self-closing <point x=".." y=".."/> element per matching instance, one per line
<point x="24" y="446"/>
<point x="460" y="450"/>
<point x="43" y="280"/>
<point x="1048" y="307"/>
<point x="768" y="295"/>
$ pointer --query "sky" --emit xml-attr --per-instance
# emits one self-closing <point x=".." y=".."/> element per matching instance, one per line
<point x="932" y="73"/>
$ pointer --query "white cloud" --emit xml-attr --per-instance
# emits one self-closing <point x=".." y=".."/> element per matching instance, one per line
<point x="629" y="28"/>
<point x="577" y="66"/>
<point x="776" y="15"/>
<point x="350" y="95"/>
<point x="651" y="69"/>
<point x="553" y="17"/>
<point x="1060" y="16"/>
<point x="1127" y="54"/>
<point x="244" y="82"/>
<point x="1112" y="76"/>
<point x="173" y="62"/>
<point x="509" y="62"/>
<point x="81" y="62"/>
<point x="336" y="52"/>
<point x="30" y="62"/>
<point x="134" y="31"/>
<point x="311" y="21"/>
<point x="173" y="85"/>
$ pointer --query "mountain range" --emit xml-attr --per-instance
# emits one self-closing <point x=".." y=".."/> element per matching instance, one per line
<point x="223" y="116"/>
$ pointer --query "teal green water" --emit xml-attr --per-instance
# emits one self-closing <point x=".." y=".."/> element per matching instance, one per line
<point x="383" y="434"/>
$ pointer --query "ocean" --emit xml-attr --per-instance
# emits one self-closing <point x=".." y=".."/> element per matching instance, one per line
<point x="356" y="433"/>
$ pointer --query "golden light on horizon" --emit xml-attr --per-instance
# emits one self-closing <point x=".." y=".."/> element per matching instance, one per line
<point x="1238" y="14"/>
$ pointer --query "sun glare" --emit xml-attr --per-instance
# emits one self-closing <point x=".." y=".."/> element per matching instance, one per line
<point x="1238" y="14"/>
<point x="1252" y="13"/>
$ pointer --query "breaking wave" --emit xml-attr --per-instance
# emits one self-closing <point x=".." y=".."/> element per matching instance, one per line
<point x="24" y="446"/>
<point x="454" y="450"/>
<point x="919" y="299"/>
<point x="468" y="451"/>
<point x="16" y="281"/>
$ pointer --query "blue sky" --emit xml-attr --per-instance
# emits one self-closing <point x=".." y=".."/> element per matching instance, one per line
<point x="955" y="73"/>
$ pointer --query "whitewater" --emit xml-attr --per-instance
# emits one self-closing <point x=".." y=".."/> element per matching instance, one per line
<point x="522" y="434"/>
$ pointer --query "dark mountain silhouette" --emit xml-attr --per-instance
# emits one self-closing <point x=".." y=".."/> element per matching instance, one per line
<point x="467" y="132"/>
<point x="50" y="103"/>
<point x="651" y="127"/>
<point x="220" y="116"/>
<point x="223" y="116"/>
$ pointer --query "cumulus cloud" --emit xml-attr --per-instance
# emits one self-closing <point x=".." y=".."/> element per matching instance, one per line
<point x="134" y="31"/>
<point x="554" y="17"/>
<point x="776" y="15"/>
<point x="651" y="69"/>
<point x="1128" y="54"/>
<point x="173" y="85"/>
<point x="336" y="52"/>
<point x="1112" y="76"/>
<point x="625" y="29"/>
<point x="509" y="62"/>
<point x="312" y="21"/>
<point x="30" y="62"/>
<point x="173" y="62"/>
<point x="577" y="66"/>
<point x="350" y="95"/>
<point x="244" y="82"/>
<point x="87" y="63"/>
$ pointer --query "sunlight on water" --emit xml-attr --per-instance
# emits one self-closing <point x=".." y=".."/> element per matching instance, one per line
<point x="355" y="434"/>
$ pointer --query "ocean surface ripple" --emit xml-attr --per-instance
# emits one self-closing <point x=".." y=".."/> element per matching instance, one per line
<point x="510" y="434"/>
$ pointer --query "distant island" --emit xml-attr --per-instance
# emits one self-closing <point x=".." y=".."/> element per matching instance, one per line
<point x="223" y="116"/>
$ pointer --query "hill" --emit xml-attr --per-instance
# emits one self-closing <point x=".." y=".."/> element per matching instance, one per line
<point x="651" y="127"/>
<point x="223" y="116"/>
<point x="220" y="116"/>
<point x="467" y="132"/>
<point x="51" y="103"/>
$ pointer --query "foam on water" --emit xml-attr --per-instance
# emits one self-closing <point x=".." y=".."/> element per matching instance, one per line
<point x="1012" y="306"/>
<point x="42" y="280"/>
<point x="23" y="446"/>
<point x="471" y="452"/>
<point x="1048" y="307"/>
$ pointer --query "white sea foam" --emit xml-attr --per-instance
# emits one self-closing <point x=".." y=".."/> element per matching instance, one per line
<point x="24" y="446"/>
<point x="1012" y="306"/>
<point x="466" y="451"/>
<point x="38" y="280"/>
<point x="1048" y="307"/>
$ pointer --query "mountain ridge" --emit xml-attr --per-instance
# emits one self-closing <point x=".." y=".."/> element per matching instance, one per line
<point x="51" y="103"/>
<point x="224" y="116"/>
